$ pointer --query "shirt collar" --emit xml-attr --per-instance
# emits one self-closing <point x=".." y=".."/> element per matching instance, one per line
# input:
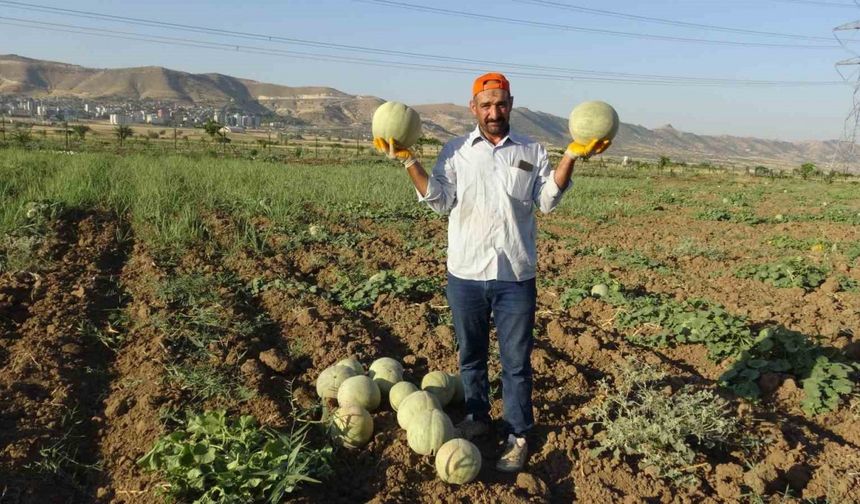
<point x="476" y="135"/>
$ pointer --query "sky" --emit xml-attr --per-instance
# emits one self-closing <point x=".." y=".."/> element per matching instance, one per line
<point x="536" y="43"/>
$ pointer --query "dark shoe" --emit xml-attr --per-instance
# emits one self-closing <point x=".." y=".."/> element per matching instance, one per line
<point x="470" y="429"/>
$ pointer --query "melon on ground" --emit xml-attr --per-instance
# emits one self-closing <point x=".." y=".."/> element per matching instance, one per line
<point x="329" y="381"/>
<point x="593" y="120"/>
<point x="352" y="363"/>
<point x="396" y="120"/>
<point x="351" y="426"/>
<point x="385" y="372"/>
<point x="414" y="404"/>
<point x="359" y="390"/>
<point x="429" y="430"/>
<point x="440" y="384"/>
<point x="399" y="392"/>
<point x="458" y="461"/>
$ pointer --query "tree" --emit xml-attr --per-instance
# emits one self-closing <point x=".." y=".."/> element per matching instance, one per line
<point x="663" y="162"/>
<point x="122" y="132"/>
<point x="21" y="134"/>
<point x="212" y="127"/>
<point x="806" y="169"/>
<point x="81" y="131"/>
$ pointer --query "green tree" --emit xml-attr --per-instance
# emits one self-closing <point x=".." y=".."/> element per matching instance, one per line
<point x="806" y="170"/>
<point x="81" y="131"/>
<point x="212" y="128"/>
<point x="663" y="162"/>
<point x="21" y="134"/>
<point x="122" y="132"/>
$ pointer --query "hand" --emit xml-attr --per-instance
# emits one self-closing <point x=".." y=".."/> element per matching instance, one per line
<point x="390" y="149"/>
<point x="578" y="150"/>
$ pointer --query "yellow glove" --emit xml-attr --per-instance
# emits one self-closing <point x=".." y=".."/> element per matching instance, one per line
<point x="578" y="150"/>
<point x="390" y="149"/>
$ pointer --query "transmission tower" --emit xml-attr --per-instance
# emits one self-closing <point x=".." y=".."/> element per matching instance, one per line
<point x="845" y="154"/>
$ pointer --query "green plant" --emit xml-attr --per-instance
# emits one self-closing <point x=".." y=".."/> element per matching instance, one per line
<point x="824" y="373"/>
<point x="213" y="458"/>
<point x="365" y="294"/>
<point x="794" y="272"/>
<point x="664" y="430"/>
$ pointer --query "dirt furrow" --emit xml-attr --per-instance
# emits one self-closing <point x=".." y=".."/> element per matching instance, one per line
<point x="57" y="368"/>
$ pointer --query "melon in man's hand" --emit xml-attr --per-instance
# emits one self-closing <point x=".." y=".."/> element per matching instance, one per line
<point x="398" y="121"/>
<point x="593" y="120"/>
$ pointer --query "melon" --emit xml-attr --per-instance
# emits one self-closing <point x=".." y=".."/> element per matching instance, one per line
<point x="359" y="390"/>
<point x="351" y="426"/>
<point x="600" y="290"/>
<point x="352" y="363"/>
<point x="413" y="404"/>
<point x="398" y="121"/>
<point x="399" y="392"/>
<point x="385" y="372"/>
<point x="458" y="461"/>
<point x="330" y="379"/>
<point x="593" y="120"/>
<point x="459" y="392"/>
<point x="428" y="431"/>
<point x="440" y="384"/>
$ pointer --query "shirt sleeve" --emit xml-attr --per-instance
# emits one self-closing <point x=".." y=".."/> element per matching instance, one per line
<point x="547" y="194"/>
<point x="442" y="185"/>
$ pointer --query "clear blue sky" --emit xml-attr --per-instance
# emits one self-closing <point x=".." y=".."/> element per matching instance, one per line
<point x="790" y="113"/>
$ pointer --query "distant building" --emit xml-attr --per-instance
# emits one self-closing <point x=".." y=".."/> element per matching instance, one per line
<point x="120" y="119"/>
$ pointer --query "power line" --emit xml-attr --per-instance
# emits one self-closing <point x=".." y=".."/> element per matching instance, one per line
<point x="174" y="41"/>
<point x="561" y="27"/>
<point x="818" y="3"/>
<point x="580" y="74"/>
<point x="670" y="22"/>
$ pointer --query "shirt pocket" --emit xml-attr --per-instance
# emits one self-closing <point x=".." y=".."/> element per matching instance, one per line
<point x="518" y="183"/>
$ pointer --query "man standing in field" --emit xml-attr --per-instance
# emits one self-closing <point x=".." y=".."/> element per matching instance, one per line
<point x="490" y="181"/>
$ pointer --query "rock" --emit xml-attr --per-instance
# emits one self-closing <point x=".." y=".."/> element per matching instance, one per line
<point x="729" y="478"/>
<point x="760" y="477"/>
<point x="252" y="369"/>
<point x="555" y="331"/>
<point x="118" y="407"/>
<point x="830" y="286"/>
<point x="787" y="390"/>
<point x="410" y="360"/>
<point x="588" y="343"/>
<point x="101" y="493"/>
<point x="532" y="484"/>
<point x="306" y="317"/>
<point x="445" y="336"/>
<point x="274" y="360"/>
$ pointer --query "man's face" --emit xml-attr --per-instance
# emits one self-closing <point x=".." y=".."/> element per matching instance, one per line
<point x="492" y="109"/>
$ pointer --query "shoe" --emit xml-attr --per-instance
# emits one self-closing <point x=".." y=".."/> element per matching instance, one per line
<point x="515" y="455"/>
<point x="470" y="429"/>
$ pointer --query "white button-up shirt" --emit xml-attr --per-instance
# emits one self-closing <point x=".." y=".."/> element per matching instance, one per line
<point x="490" y="192"/>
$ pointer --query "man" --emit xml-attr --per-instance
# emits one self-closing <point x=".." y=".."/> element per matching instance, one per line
<point x="490" y="181"/>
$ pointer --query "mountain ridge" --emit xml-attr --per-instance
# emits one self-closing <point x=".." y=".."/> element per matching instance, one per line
<point x="328" y="107"/>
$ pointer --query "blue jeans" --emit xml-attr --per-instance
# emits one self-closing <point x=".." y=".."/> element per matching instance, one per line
<point x="512" y="305"/>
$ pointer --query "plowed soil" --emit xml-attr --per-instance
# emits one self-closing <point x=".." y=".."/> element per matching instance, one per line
<point x="65" y="393"/>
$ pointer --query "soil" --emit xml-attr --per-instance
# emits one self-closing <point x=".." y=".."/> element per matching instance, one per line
<point x="64" y="390"/>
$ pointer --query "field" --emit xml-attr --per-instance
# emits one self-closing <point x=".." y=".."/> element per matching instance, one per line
<point x="138" y="291"/>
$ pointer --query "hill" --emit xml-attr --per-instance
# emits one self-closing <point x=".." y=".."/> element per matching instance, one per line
<point x="327" y="107"/>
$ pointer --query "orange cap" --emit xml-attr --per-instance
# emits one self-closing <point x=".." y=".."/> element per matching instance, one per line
<point x="490" y="80"/>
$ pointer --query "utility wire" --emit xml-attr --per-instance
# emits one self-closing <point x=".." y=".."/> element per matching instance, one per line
<point x="569" y="28"/>
<point x="818" y="3"/>
<point x="174" y="41"/>
<point x="670" y="22"/>
<point x="663" y="79"/>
